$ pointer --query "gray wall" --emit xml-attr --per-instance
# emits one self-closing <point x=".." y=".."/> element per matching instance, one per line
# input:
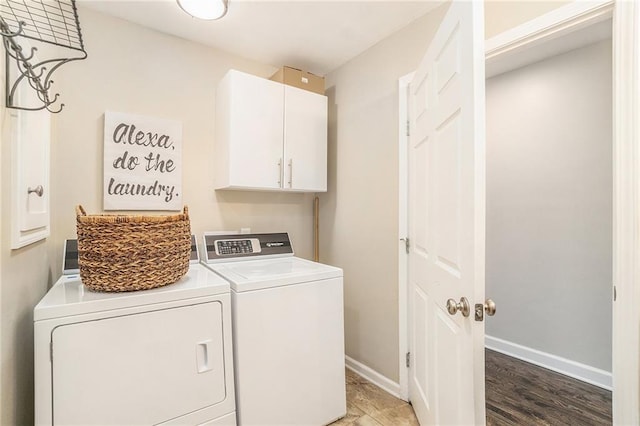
<point x="549" y="205"/>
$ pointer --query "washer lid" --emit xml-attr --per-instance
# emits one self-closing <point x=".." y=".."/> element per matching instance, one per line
<point x="259" y="274"/>
<point x="69" y="297"/>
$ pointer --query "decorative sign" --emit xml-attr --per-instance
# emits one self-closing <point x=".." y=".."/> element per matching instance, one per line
<point x="142" y="163"/>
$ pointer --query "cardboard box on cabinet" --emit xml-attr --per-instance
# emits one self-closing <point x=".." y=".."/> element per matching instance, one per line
<point x="301" y="79"/>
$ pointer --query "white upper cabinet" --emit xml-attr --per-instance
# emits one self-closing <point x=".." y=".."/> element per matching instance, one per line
<point x="305" y="140"/>
<point x="269" y="136"/>
<point x="249" y="129"/>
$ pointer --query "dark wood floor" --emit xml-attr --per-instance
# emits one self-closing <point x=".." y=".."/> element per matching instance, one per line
<point x="519" y="393"/>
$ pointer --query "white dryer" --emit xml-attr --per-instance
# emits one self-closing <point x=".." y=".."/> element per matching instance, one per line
<point x="288" y="330"/>
<point x="160" y="356"/>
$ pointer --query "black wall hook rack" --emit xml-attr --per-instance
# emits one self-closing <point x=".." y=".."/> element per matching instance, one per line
<point x="50" y="21"/>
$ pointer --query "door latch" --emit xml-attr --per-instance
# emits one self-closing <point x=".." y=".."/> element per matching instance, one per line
<point x="489" y="306"/>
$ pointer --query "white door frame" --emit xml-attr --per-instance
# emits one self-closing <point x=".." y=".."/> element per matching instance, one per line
<point x="626" y="208"/>
<point x="626" y="189"/>
<point x="403" y="231"/>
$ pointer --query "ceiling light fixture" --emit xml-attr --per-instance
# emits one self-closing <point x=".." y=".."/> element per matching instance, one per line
<point x="204" y="9"/>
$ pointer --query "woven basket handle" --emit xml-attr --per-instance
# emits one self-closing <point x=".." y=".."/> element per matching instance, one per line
<point x="80" y="211"/>
<point x="185" y="211"/>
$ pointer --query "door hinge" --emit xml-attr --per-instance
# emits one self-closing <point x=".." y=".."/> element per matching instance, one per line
<point x="408" y="127"/>
<point x="51" y="351"/>
<point x="407" y="244"/>
<point x="408" y="359"/>
<point x="615" y="293"/>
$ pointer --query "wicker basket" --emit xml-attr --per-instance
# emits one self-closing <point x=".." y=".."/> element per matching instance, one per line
<point x="128" y="253"/>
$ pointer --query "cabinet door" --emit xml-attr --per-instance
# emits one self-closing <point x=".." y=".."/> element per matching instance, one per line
<point x="253" y="140"/>
<point x="30" y="137"/>
<point x="305" y="140"/>
<point x="138" y="369"/>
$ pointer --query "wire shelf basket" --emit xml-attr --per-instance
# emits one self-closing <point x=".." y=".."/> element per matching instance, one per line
<point x="50" y="21"/>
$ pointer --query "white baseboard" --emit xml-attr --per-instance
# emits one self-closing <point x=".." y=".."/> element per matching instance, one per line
<point x="585" y="373"/>
<point x="373" y="376"/>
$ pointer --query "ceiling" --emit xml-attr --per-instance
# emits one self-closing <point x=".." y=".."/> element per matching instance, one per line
<point x="317" y="36"/>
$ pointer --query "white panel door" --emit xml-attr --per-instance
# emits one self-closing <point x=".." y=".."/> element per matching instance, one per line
<point x="138" y="369"/>
<point x="305" y="140"/>
<point x="446" y="222"/>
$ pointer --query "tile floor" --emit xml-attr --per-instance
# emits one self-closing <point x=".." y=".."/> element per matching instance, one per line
<point x="368" y="405"/>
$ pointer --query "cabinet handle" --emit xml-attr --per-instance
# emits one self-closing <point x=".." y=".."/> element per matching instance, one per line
<point x="280" y="172"/>
<point x="290" y="173"/>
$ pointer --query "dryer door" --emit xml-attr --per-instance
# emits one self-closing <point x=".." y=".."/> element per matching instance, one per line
<point x="138" y="369"/>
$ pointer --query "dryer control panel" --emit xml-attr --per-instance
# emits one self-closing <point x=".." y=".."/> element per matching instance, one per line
<point x="239" y="246"/>
<point x="229" y="247"/>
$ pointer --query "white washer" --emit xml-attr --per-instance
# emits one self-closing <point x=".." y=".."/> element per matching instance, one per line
<point x="288" y="331"/>
<point x="160" y="356"/>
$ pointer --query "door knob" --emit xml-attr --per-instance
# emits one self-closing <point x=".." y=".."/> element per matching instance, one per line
<point x="38" y="190"/>
<point x="489" y="307"/>
<point x="462" y="306"/>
